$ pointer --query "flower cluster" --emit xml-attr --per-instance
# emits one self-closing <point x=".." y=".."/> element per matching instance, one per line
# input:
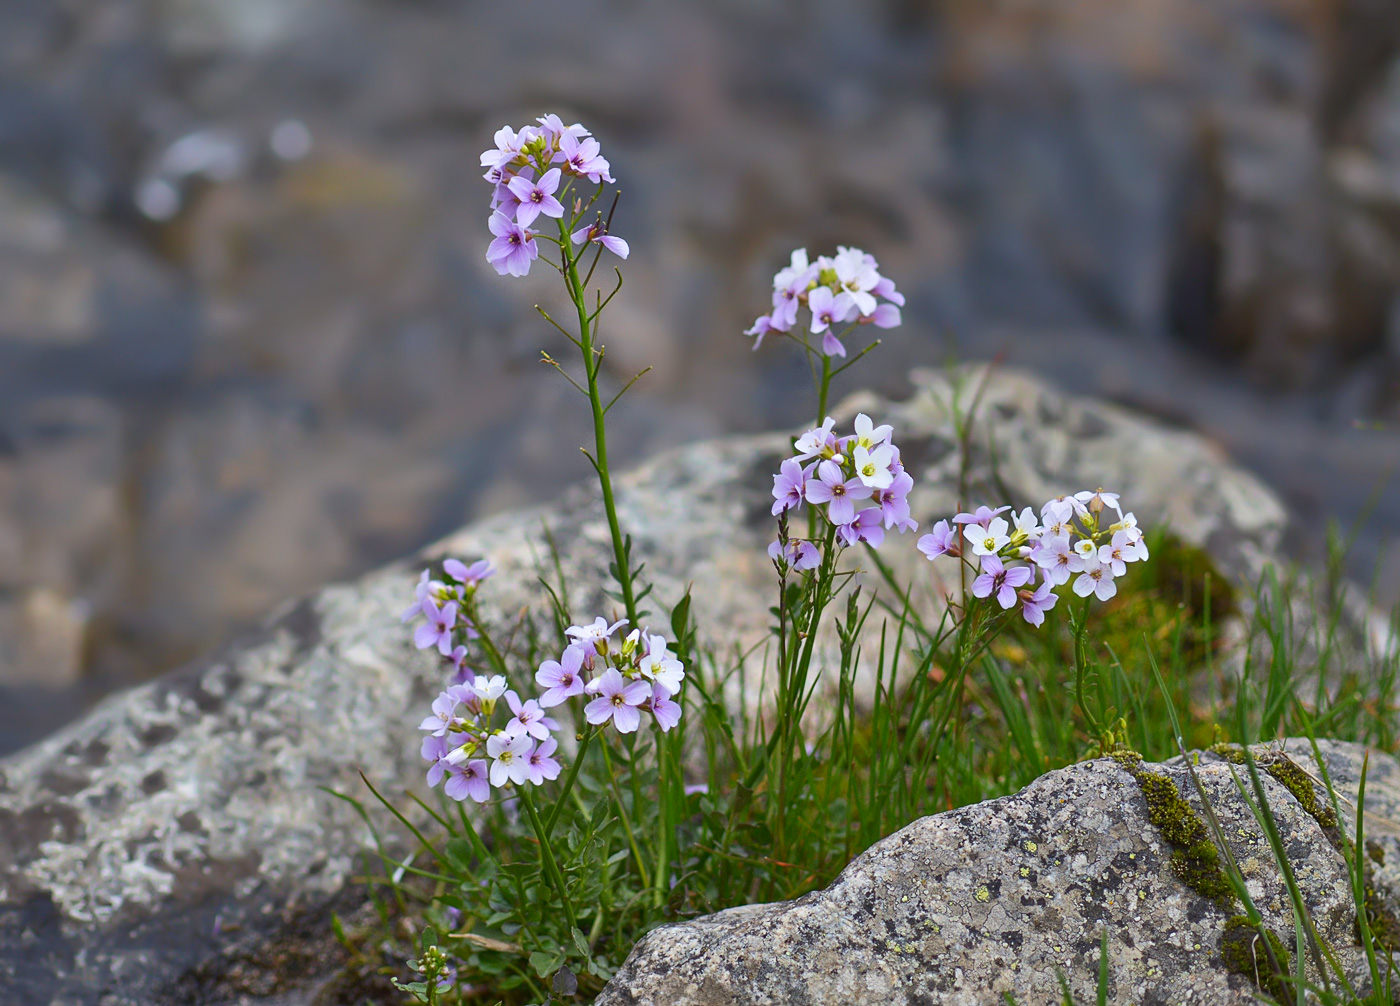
<point x="468" y="746"/>
<point x="473" y="756"/>
<point x="640" y="675"/>
<point x="531" y="171"/>
<point x="1073" y="537"/>
<point x="448" y="607"/>
<point x="844" y="288"/>
<point x="834" y="474"/>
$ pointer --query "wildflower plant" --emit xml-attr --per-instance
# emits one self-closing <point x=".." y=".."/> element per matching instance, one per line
<point x="596" y="778"/>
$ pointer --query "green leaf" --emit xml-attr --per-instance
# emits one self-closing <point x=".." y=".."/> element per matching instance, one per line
<point x="680" y="617"/>
<point x="581" y="942"/>
<point x="459" y="855"/>
<point x="545" y="964"/>
<point x="565" y="984"/>
<point x="428" y="939"/>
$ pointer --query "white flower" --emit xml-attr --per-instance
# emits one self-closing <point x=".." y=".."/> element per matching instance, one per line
<point x="1026" y="524"/>
<point x="873" y="467"/>
<point x="660" y="665"/>
<point x="1056" y="559"/>
<point x="511" y="758"/>
<point x="870" y="436"/>
<point x="1097" y="579"/>
<point x="597" y="634"/>
<point x="987" y="540"/>
<point x="1095" y="501"/>
<point x="1085" y="548"/>
<point x="815" y="441"/>
<point x="1118" y="552"/>
<point x="488" y="690"/>
<point x="786" y="277"/>
<point x="857" y="277"/>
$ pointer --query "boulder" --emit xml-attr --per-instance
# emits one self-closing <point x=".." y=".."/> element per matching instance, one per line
<point x="1008" y="895"/>
<point x="149" y="850"/>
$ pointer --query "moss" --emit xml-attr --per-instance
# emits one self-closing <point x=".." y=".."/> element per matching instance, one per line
<point x="1243" y="951"/>
<point x="1293" y="778"/>
<point x="1194" y="858"/>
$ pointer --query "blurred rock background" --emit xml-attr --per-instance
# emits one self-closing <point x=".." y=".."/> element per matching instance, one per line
<point x="249" y="343"/>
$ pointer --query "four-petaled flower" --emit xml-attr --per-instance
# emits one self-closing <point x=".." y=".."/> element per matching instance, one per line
<point x="539" y="764"/>
<point x="942" y="540"/>
<point x="839" y="493"/>
<point x="1034" y="604"/>
<point x="514" y="248"/>
<point x="666" y="710"/>
<point x="437" y="629"/>
<point x="536" y="197"/>
<point x="789" y="486"/>
<point x="873" y="466"/>
<point x="561" y="678"/>
<point x="1097" y="579"/>
<point x="617" y="700"/>
<point x="528" y="718"/>
<point x="799" y="554"/>
<point x="597" y="233"/>
<point x="509" y="758"/>
<point x="997" y="579"/>
<point x="468" y="780"/>
<point x="987" y="540"/>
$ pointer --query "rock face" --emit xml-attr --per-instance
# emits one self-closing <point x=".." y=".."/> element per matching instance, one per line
<point x="1000" y="897"/>
<point x="150" y="847"/>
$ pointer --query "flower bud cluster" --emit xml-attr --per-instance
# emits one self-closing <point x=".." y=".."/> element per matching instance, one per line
<point x="846" y="287"/>
<point x="640" y="674"/>
<point x="835" y="474"/>
<point x="448" y="608"/>
<point x="531" y="172"/>
<point x="1086" y="537"/>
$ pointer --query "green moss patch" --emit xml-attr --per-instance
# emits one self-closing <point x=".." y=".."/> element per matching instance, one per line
<point x="1195" y="858"/>
<point x="1257" y="953"/>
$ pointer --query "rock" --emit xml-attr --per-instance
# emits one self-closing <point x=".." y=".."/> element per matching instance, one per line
<point x="1000" y="897"/>
<point x="179" y="824"/>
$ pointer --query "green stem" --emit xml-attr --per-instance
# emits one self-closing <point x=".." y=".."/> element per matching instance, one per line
<point x="1081" y="664"/>
<point x="547" y="856"/>
<point x="591" y="365"/>
<point x="568" y="783"/>
<point x="626" y="821"/>
<point x="823" y="389"/>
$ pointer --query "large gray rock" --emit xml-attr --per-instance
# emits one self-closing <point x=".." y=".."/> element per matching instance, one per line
<point x="965" y="906"/>
<point x="180" y="824"/>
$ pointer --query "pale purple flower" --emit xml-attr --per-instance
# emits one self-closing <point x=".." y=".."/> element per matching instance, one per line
<point x="509" y="754"/>
<point x="554" y="129"/>
<point x="997" y="579"/>
<point x="508" y="146"/>
<point x="866" y="526"/>
<point x="1056" y="559"/>
<point x="801" y="555"/>
<point x="832" y="488"/>
<point x="798" y="273"/>
<point x="539" y="765"/>
<point x="595" y="635"/>
<point x="514" y="247"/>
<point x="581" y="155"/>
<point x="828" y="309"/>
<point x="536" y="197"/>
<point x="666" y="710"/>
<point x="469" y="780"/>
<point x="1035" y="604"/>
<point x="597" y="233"/>
<point x="562" y="677"/>
<point x="762" y="325"/>
<point x="816" y="441"/>
<point x="422" y="590"/>
<point x="884" y="316"/>
<point x="1097" y="579"/>
<point x="894" y="504"/>
<point x="461" y="673"/>
<point x="692" y="788"/>
<point x="790" y="486"/>
<point x="502" y="198"/>
<point x="942" y="540"/>
<point x="618" y="701"/>
<point x="444" y="711"/>
<point x="785" y="304"/>
<point x="983" y="516"/>
<point x="471" y="575"/>
<point x="434" y="749"/>
<point x="528" y="718"/>
<point x="885" y="288"/>
<point x="437" y="630"/>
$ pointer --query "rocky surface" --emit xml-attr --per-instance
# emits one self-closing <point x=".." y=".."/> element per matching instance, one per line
<point x="248" y="338"/>
<point x="179" y="826"/>
<point x="1000" y="897"/>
